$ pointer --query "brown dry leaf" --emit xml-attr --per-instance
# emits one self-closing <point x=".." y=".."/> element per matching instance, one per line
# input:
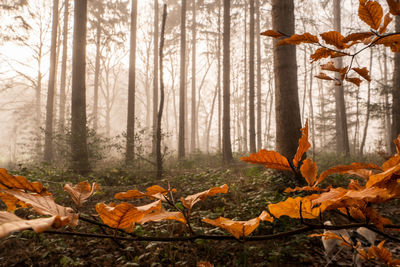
<point x="356" y="81"/>
<point x="9" y="222"/>
<point x="330" y="66"/>
<point x="363" y="73"/>
<point x="358" y="36"/>
<point x="391" y="41"/>
<point x="330" y="199"/>
<point x="321" y="53"/>
<point x="11" y="202"/>
<point x="394" y="7"/>
<point x="152" y="192"/>
<point x="309" y="171"/>
<point x="343" y="168"/>
<point x="272" y="33"/>
<point x="304" y="145"/>
<point x="298" y="39"/>
<point x="380" y="253"/>
<point x="397" y="143"/>
<point x="125" y="215"/>
<point x="393" y="161"/>
<point x="237" y="228"/>
<point x="306" y="188"/>
<point x="204" y="264"/>
<point x="291" y="207"/>
<point x="45" y="205"/>
<point x="323" y="76"/>
<point x="161" y="215"/>
<point x="386" y="22"/>
<point x="270" y="159"/>
<point x="381" y="178"/>
<point x="18" y="182"/>
<point x="334" y="38"/>
<point x="265" y="216"/>
<point x="189" y="201"/>
<point x="363" y="173"/>
<point x="371" y="13"/>
<point x="81" y="191"/>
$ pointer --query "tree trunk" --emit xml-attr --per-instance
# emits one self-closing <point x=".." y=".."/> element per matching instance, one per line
<point x="130" y="129"/>
<point x="342" y="139"/>
<point x="155" y="75"/>
<point x="226" y="119"/>
<point x="80" y="159"/>
<point x="287" y="110"/>
<point x="194" y="117"/>
<point x="388" y="125"/>
<point x="64" y="68"/>
<point x="368" y="108"/>
<point x="252" y="130"/>
<point x="48" y="146"/>
<point x="396" y="92"/>
<point x="259" y="104"/>
<point x="219" y="78"/>
<point x="96" y="76"/>
<point x="312" y="111"/>
<point x="182" y="90"/>
<point x="245" y="133"/>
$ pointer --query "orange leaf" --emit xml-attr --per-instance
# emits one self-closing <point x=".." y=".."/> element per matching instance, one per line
<point x="125" y="215"/>
<point x="305" y="188"/>
<point x="330" y="66"/>
<point x="363" y="173"/>
<point x="356" y="81"/>
<point x="397" y="143"/>
<point x="265" y="216"/>
<point x="323" y="76"/>
<point x="237" y="228"/>
<point x="363" y="73"/>
<point x="391" y="41"/>
<point x="11" y="201"/>
<point x="272" y="33"/>
<point x="381" y="253"/>
<point x="334" y="38"/>
<point x="393" y="161"/>
<point x="343" y="168"/>
<point x="358" y="36"/>
<point x="304" y="145"/>
<point x="321" y="53"/>
<point x="270" y="159"/>
<point x="298" y="39"/>
<point x="371" y="13"/>
<point x="394" y="7"/>
<point x="189" y="201"/>
<point x="45" y="205"/>
<point x="152" y="192"/>
<point x="9" y="222"/>
<point x="81" y="191"/>
<point x="386" y="22"/>
<point x="162" y="215"/>
<point x="309" y="171"/>
<point x="19" y="182"/>
<point x="204" y="264"/>
<point x="291" y="207"/>
<point x="382" y="177"/>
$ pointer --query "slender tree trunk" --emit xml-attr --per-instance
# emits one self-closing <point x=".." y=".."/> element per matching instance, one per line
<point x="396" y="92"/>
<point x="182" y="90"/>
<point x="245" y="130"/>
<point x="312" y="111"/>
<point x="64" y="68"/>
<point x="194" y="117"/>
<point x="96" y="76"/>
<point x="226" y="120"/>
<point x="342" y="138"/>
<point x="160" y="110"/>
<point x="155" y="75"/>
<point x="210" y="122"/>
<point x="259" y="104"/>
<point x="219" y="78"/>
<point x="80" y="159"/>
<point x="388" y="125"/>
<point x="48" y="146"/>
<point x="252" y="130"/>
<point x="130" y="129"/>
<point x="368" y="108"/>
<point x="287" y="110"/>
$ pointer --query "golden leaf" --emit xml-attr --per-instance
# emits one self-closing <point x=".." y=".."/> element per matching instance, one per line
<point x="298" y="39"/>
<point x="19" y="182"/>
<point x="358" y="36"/>
<point x="371" y="13"/>
<point x="189" y="201"/>
<point x="81" y="191"/>
<point x="270" y="159"/>
<point x="237" y="228"/>
<point x="304" y="145"/>
<point x="306" y="188"/>
<point x="334" y="38"/>
<point x="309" y="171"/>
<point x="162" y="215"/>
<point x="291" y="207"/>
<point x="152" y="192"/>
<point x="265" y="216"/>
<point x="9" y="222"/>
<point x="379" y="178"/>
<point x="363" y="173"/>
<point x="393" y="161"/>
<point x="343" y="168"/>
<point x="272" y="33"/>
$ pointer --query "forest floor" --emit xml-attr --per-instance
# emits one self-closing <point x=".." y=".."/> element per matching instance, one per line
<point x="251" y="188"/>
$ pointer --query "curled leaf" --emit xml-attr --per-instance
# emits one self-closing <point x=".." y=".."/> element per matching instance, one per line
<point x="81" y="191"/>
<point x="270" y="159"/>
<point x="298" y="39"/>
<point x="304" y="145"/>
<point x="189" y="201"/>
<point x="358" y="36"/>
<point x="363" y="73"/>
<point x="19" y="182"/>
<point x="343" y="168"/>
<point x="162" y="215"/>
<point x="323" y="76"/>
<point x="152" y="192"/>
<point x="272" y="33"/>
<point x="309" y="171"/>
<point x="237" y="228"/>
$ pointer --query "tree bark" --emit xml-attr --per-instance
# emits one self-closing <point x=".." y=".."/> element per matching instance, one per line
<point x="252" y="128"/>
<point x="396" y="92"/>
<point x="96" y="76"/>
<point x="226" y="127"/>
<point x="48" y="145"/>
<point x="155" y="74"/>
<point x="245" y="74"/>
<point x="342" y="139"/>
<point x="80" y="159"/>
<point x="64" y="68"/>
<point x="182" y="90"/>
<point x="219" y="78"/>
<point x="287" y="110"/>
<point x="259" y="104"/>
<point x="130" y="129"/>
<point x="194" y="117"/>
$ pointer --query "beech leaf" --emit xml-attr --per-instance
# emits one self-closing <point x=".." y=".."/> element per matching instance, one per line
<point x="189" y="201"/>
<point x="321" y="53"/>
<point x="323" y="76"/>
<point x="363" y="73"/>
<point x="371" y="13"/>
<point x="237" y="228"/>
<point x="291" y="207"/>
<point x="162" y="215"/>
<point x="334" y="38"/>
<point x="19" y="182"/>
<point x="304" y="145"/>
<point x="272" y="33"/>
<point x="309" y="171"/>
<point x="270" y="159"/>
<point x="81" y="191"/>
<point x="298" y="39"/>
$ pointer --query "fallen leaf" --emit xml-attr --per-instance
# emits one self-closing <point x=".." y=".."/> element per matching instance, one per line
<point x="189" y="201"/>
<point x="81" y="191"/>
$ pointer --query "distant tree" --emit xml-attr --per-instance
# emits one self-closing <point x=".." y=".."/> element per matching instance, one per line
<point x="130" y="132"/>
<point x="182" y="90"/>
<point x="64" y="68"/>
<point x="193" y="112"/>
<point x="258" y="76"/>
<point x="252" y="127"/>
<point x="48" y="145"/>
<point x="80" y="159"/>
<point x="226" y="117"/>
<point x="396" y="91"/>
<point x="155" y="73"/>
